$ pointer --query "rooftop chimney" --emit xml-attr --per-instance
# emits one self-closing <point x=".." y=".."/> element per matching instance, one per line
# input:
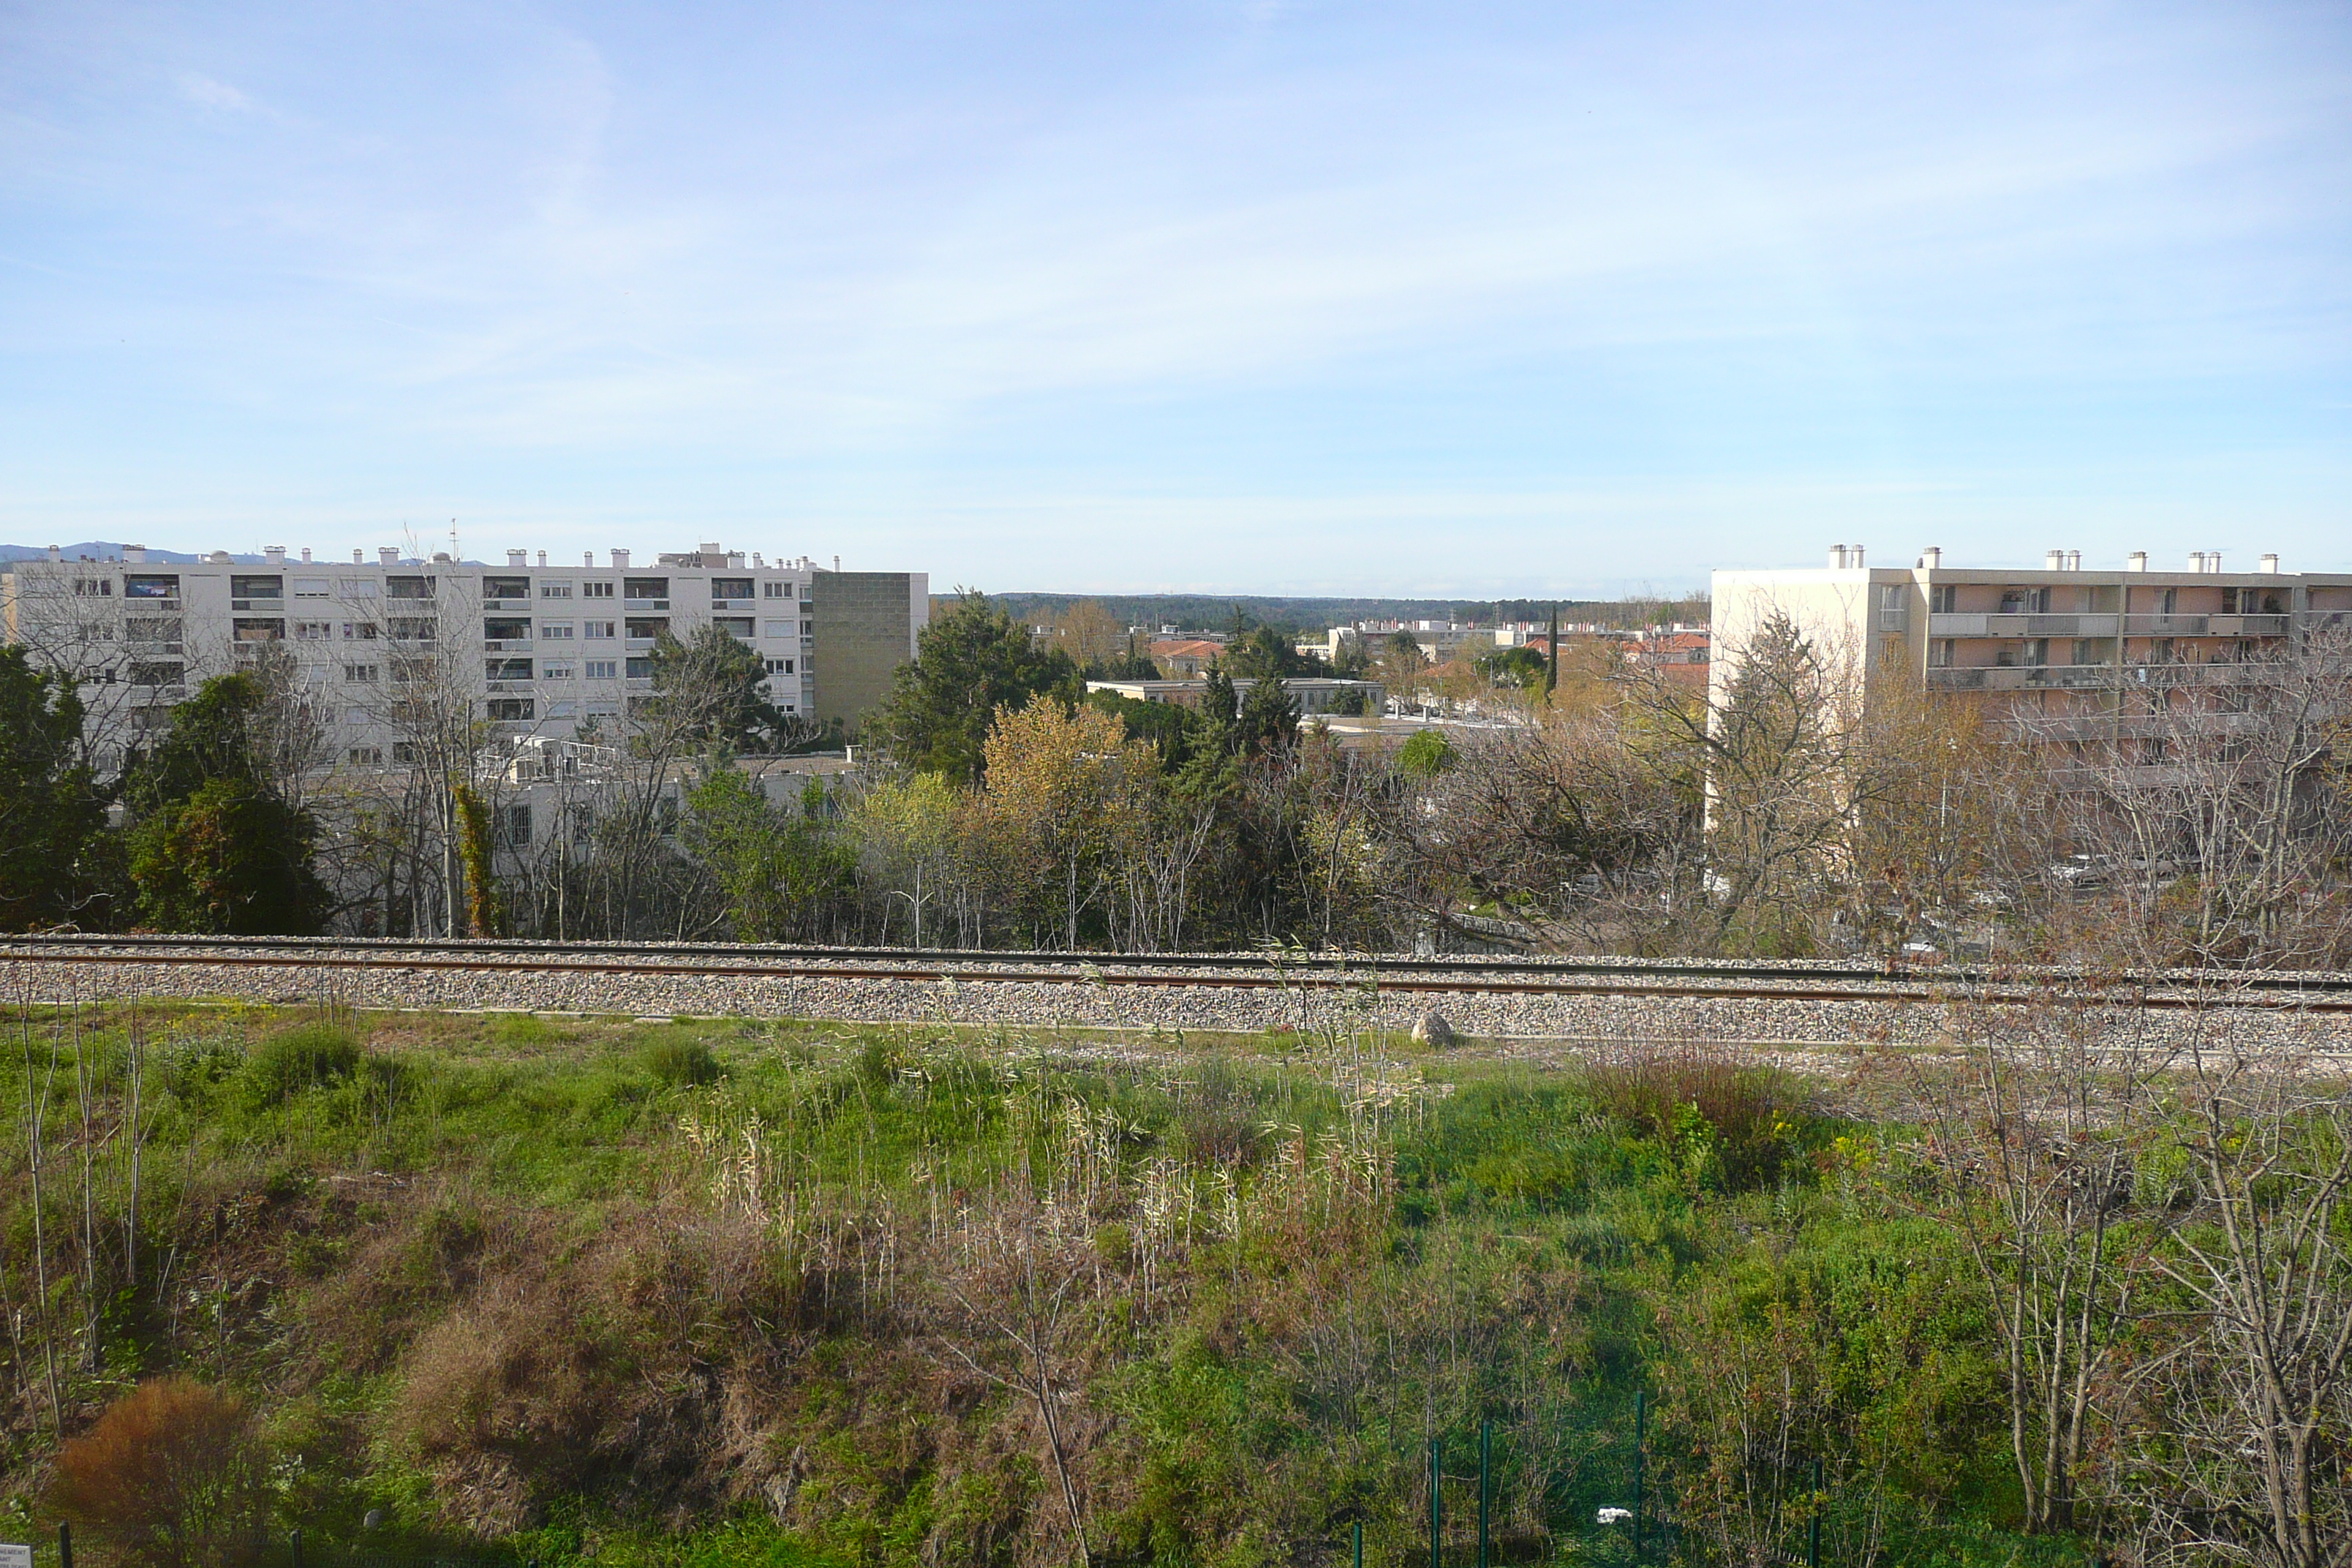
<point x="517" y="557"/>
<point x="1837" y="557"/>
<point x="274" y="554"/>
<point x="2136" y="562"/>
<point x="2270" y="562"/>
<point x="2212" y="561"/>
<point x="2053" y="561"/>
<point x="1932" y="557"/>
<point x="735" y="559"/>
<point x="56" y="553"/>
<point x="136" y="555"/>
<point x="357" y="555"/>
<point x="621" y="560"/>
<point x="2074" y="561"/>
<point x="306" y="555"/>
<point x="587" y="558"/>
<point x="542" y="558"/>
<point x="387" y="555"/>
<point x="2197" y="561"/>
<point x="755" y="559"/>
<point x="441" y="558"/>
<point x="710" y="549"/>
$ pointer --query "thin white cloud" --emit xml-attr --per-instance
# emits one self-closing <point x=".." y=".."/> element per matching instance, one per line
<point x="206" y="93"/>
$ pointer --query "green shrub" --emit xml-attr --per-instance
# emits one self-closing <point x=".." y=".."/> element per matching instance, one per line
<point x="313" y="1055"/>
<point x="677" y="1062"/>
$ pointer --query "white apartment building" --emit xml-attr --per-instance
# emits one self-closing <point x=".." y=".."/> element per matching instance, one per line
<point x="2065" y="640"/>
<point x="546" y="650"/>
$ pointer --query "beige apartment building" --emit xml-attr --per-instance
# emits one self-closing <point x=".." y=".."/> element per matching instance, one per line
<point x="2065" y="640"/>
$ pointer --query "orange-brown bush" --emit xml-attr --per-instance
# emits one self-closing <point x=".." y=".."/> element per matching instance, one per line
<point x="642" y="1362"/>
<point x="171" y="1473"/>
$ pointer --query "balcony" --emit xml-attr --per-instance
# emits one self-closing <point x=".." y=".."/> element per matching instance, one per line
<point x="505" y="644"/>
<point x="523" y="687"/>
<point x="508" y="603"/>
<point x="2207" y="625"/>
<point x="645" y="604"/>
<point x="1967" y="624"/>
<point x="2085" y="677"/>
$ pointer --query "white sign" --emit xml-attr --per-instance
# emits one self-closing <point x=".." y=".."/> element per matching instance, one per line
<point x="16" y="1556"/>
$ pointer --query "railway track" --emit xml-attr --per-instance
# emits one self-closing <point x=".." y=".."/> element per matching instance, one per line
<point x="1731" y="980"/>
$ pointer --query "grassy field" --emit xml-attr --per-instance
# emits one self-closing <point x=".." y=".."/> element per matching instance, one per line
<point x="717" y="1292"/>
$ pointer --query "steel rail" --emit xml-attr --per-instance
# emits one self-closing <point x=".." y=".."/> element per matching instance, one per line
<point x="2022" y="979"/>
<point x="1372" y="975"/>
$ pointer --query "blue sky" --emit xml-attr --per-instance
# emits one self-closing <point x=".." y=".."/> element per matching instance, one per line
<point x="1264" y="297"/>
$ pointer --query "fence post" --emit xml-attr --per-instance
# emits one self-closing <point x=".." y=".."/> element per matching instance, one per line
<point x="1485" y="1462"/>
<point x="1436" y="1501"/>
<point x="65" y="1546"/>
<point x="1359" y="1543"/>
<point x="1641" y="1414"/>
<point x="294" y="1547"/>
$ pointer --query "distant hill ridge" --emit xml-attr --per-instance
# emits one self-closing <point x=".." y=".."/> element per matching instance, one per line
<point x="100" y="550"/>
<point x="1212" y="611"/>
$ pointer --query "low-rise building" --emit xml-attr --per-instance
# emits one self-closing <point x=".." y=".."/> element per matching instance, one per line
<point x="1314" y="694"/>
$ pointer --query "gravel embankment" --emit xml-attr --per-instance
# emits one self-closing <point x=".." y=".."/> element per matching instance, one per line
<point x="838" y="992"/>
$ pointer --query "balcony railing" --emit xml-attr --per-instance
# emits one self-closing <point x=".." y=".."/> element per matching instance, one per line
<point x="645" y="604"/>
<point x="2085" y="677"/>
<point x="505" y="644"/>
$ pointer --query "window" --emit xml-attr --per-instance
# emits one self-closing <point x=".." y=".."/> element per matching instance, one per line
<point x="606" y="709"/>
<point x="310" y="588"/>
<point x="355" y="587"/>
<point x="777" y="590"/>
<point x="314" y="631"/>
<point x="359" y="631"/>
<point x="647" y="626"/>
<point x="561" y="709"/>
<point x="404" y="751"/>
<point x="554" y="590"/>
<point x="2168" y="601"/>
<point x="1940" y="654"/>
<point x="506" y="587"/>
<point x="513" y="826"/>
<point x="360" y="674"/>
<point x="509" y="709"/>
<point x="645" y="587"/>
<point x="1943" y="598"/>
<point x="556" y="631"/>
<point x="256" y="587"/>
<point x="150" y="587"/>
<point x="410" y="628"/>
<point x="780" y="629"/>
<point x="734" y="626"/>
<point x="641" y="669"/>
<point x="599" y="630"/>
<point x="552" y="670"/>
<point x="243" y="628"/>
<point x="595" y="590"/>
<point x="364" y="756"/>
<point x="603" y="670"/>
<point x="94" y="587"/>
<point x="152" y="628"/>
<point x="780" y="667"/>
<point x="506" y="668"/>
<point x="408" y="587"/>
<point x="503" y="630"/>
<point x="725" y="588"/>
<point x="156" y="674"/>
<point x="2037" y="652"/>
<point x="2086" y="651"/>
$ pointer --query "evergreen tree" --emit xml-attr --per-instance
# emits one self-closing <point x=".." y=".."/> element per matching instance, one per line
<point x="970" y="662"/>
<point x="215" y="845"/>
<point x="51" y="808"/>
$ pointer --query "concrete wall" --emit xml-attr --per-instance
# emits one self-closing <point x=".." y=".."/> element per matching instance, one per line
<point x="866" y="624"/>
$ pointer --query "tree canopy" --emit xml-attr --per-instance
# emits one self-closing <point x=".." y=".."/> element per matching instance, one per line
<point x="970" y="663"/>
<point x="51" y="806"/>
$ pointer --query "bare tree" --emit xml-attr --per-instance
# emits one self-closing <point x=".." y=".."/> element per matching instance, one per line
<point x="2246" y="1457"/>
<point x="2032" y="1139"/>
